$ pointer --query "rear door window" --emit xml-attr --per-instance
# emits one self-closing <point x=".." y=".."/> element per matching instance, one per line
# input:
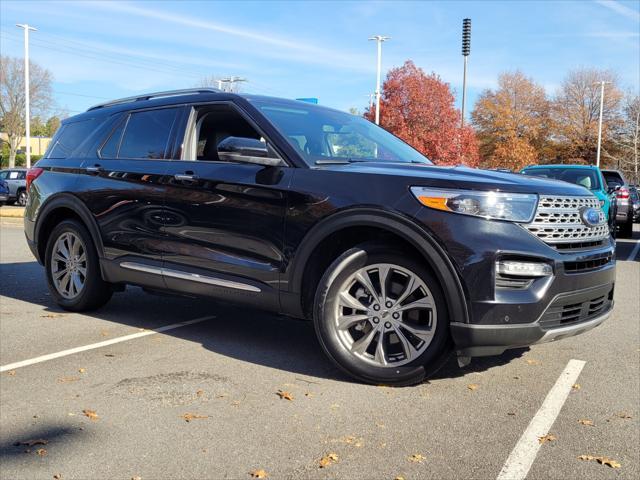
<point x="146" y="134"/>
<point x="70" y="136"/>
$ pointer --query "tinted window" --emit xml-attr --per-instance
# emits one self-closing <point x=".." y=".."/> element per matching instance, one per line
<point x="323" y="135"/>
<point x="147" y="134"/>
<point x="613" y="178"/>
<point x="70" y="136"/>
<point x="585" y="177"/>
<point x="110" y="148"/>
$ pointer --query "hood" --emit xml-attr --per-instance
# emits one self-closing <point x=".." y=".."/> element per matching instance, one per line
<point x="462" y="177"/>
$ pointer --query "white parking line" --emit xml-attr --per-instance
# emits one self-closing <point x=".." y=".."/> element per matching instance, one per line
<point x="519" y="462"/>
<point x="634" y="252"/>
<point x="71" y="351"/>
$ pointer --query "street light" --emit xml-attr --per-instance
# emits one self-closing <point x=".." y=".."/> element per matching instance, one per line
<point x="466" y="50"/>
<point x="26" y="28"/>
<point x="379" y="39"/>
<point x="231" y="81"/>
<point x="602" y="83"/>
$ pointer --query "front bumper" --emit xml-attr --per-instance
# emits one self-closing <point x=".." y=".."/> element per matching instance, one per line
<point x="566" y="315"/>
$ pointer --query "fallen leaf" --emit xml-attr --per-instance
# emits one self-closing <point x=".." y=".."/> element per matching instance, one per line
<point x="584" y="421"/>
<point x="68" y="379"/>
<point x="11" y="373"/>
<point x="52" y="315"/>
<point x="328" y="460"/>
<point x="192" y="416"/>
<point x="516" y="377"/>
<point x="473" y="386"/>
<point x="136" y="478"/>
<point x="91" y="414"/>
<point x="104" y="333"/>
<point x="258" y="474"/>
<point x="511" y="413"/>
<point x="531" y="361"/>
<point x="576" y="386"/>
<point x="547" y="438"/>
<point x="82" y="370"/>
<point x="235" y="403"/>
<point x="284" y="395"/>
<point x="310" y="395"/>
<point x="624" y="415"/>
<point x="199" y="393"/>
<point x="109" y="355"/>
<point x="31" y="443"/>
<point x="399" y="478"/>
<point x="609" y="462"/>
<point x="41" y="451"/>
<point x="57" y="476"/>
<point x="417" y="458"/>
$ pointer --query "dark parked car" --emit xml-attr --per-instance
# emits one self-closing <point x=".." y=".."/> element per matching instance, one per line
<point x="318" y="214"/>
<point x="624" y="217"/>
<point x="16" y="180"/>
<point x="5" y="193"/>
<point x="635" y="202"/>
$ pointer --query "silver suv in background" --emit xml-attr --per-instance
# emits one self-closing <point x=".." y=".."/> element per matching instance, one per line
<point x="16" y="179"/>
<point x="624" y="216"/>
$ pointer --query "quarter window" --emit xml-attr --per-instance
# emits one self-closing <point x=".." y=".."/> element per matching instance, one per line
<point x="147" y="134"/>
<point x="71" y="136"/>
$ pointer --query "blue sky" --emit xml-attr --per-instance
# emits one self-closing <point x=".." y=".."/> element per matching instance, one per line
<point x="102" y="50"/>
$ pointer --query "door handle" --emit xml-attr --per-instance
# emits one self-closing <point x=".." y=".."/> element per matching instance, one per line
<point x="94" y="169"/>
<point x="185" y="177"/>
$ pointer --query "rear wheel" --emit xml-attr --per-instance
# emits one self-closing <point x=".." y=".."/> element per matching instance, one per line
<point x="381" y="317"/>
<point x="21" y="199"/>
<point x="626" y="228"/>
<point x="73" y="270"/>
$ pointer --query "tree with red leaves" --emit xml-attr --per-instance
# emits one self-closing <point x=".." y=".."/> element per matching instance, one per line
<point x="419" y="108"/>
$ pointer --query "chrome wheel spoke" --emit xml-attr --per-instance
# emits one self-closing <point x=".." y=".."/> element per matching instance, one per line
<point x="422" y="333"/>
<point x="350" y="301"/>
<point x="383" y="273"/>
<point x="407" y="347"/>
<point x="380" y="354"/>
<point x="77" y="283"/>
<point x="346" y="321"/>
<point x="422" y="303"/>
<point x="363" y="343"/>
<point x="408" y="290"/>
<point x="65" y="281"/>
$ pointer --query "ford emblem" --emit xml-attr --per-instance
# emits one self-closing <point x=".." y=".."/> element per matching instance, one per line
<point x="590" y="216"/>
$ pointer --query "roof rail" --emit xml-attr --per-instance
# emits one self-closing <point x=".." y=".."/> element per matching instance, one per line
<point x="148" y="96"/>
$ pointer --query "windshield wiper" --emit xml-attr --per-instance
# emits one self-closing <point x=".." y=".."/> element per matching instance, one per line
<point x="341" y="161"/>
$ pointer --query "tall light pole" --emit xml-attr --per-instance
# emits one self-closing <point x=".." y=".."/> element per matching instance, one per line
<point x="466" y="50"/>
<point x="602" y="83"/>
<point x="26" y="28"/>
<point x="231" y="80"/>
<point x="379" y="39"/>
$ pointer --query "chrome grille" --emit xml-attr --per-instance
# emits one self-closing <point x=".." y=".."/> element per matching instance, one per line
<point x="558" y="221"/>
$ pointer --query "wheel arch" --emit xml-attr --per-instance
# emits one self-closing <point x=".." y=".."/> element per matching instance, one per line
<point x="390" y="225"/>
<point x="60" y="207"/>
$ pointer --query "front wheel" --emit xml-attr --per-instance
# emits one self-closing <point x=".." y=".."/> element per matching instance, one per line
<point x="73" y="271"/>
<point x="381" y="316"/>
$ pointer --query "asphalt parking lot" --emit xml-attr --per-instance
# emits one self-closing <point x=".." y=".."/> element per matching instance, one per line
<point x="200" y="400"/>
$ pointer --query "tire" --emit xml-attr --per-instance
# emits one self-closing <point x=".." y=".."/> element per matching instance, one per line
<point x="626" y="228"/>
<point x="391" y="366"/>
<point x="93" y="291"/>
<point x="21" y="198"/>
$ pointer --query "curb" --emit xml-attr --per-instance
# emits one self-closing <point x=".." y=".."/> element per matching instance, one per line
<point x="12" y="212"/>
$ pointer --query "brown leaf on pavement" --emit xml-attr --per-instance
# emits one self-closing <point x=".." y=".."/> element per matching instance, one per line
<point x="57" y="476"/>
<point x="82" y="370"/>
<point x="11" y="373"/>
<point x="585" y="421"/>
<point x="417" y="458"/>
<point x="199" y="393"/>
<point x="41" y="451"/>
<point x="68" y="379"/>
<point x="284" y="395"/>
<point x="91" y="414"/>
<point x="624" y="415"/>
<point x="609" y="462"/>
<point x="473" y="386"/>
<point x="136" y="478"/>
<point x="547" y="438"/>
<point x="328" y="460"/>
<point x="192" y="416"/>
<point x="399" y="477"/>
<point x="576" y="386"/>
<point x="259" y="474"/>
<point x="31" y="443"/>
<point x="52" y="315"/>
<point x="531" y="361"/>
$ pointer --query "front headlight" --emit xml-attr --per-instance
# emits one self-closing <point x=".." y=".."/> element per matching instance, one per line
<point x="515" y="207"/>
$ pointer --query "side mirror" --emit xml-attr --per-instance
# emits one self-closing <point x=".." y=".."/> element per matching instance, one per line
<point x="613" y="189"/>
<point x="247" y="150"/>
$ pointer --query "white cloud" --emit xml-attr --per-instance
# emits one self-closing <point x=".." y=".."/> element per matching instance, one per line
<point x="620" y="8"/>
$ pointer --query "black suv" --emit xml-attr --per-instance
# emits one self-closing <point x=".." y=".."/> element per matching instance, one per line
<point x="318" y="214"/>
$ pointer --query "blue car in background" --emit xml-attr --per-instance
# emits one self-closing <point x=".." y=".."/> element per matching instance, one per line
<point x="4" y="192"/>
<point x="589" y="176"/>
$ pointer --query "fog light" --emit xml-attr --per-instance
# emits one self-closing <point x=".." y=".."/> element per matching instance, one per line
<point x="524" y="269"/>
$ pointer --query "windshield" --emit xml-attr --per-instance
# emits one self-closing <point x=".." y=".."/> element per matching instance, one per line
<point x="585" y="177"/>
<point x="322" y="135"/>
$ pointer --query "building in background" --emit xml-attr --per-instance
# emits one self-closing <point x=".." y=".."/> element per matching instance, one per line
<point x="38" y="144"/>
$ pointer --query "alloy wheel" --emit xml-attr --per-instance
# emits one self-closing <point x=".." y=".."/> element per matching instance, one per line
<point x="69" y="265"/>
<point x="385" y="315"/>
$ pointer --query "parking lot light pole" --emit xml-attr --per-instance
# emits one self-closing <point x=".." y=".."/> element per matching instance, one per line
<point x="466" y="50"/>
<point x="26" y="28"/>
<point x="602" y="83"/>
<point x="379" y="39"/>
